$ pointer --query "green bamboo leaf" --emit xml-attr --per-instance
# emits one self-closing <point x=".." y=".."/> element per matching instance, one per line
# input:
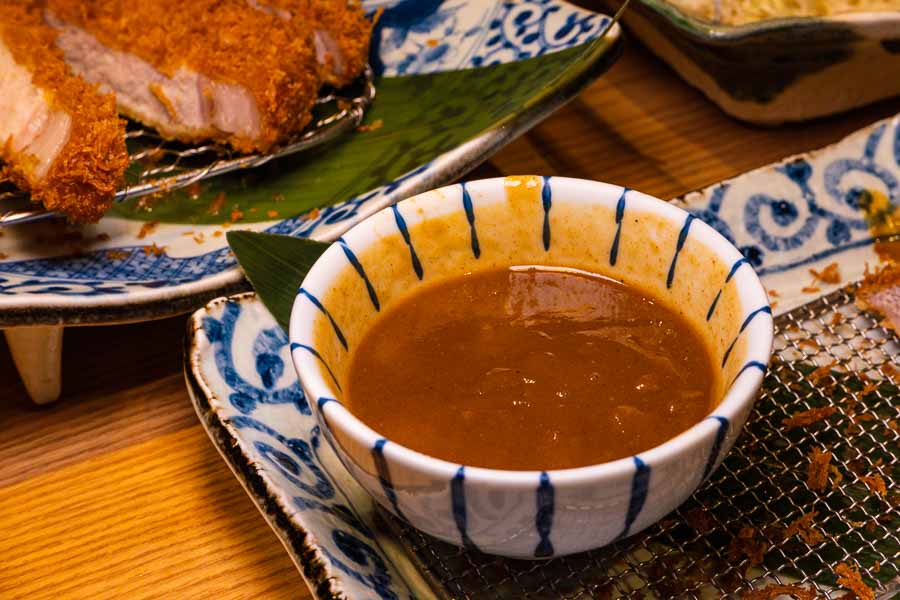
<point x="275" y="265"/>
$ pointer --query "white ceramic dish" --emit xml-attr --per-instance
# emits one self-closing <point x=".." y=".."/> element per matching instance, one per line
<point x="554" y="221"/>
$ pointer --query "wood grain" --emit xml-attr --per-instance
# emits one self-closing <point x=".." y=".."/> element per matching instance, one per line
<point x="115" y="492"/>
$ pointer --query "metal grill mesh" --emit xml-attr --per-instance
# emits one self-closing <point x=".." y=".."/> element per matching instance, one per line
<point x="158" y="165"/>
<point x="762" y="484"/>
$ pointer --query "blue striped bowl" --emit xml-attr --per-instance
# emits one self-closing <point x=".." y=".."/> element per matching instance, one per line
<point x="531" y="221"/>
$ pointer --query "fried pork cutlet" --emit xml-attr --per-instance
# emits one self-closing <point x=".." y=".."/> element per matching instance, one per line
<point x="339" y="29"/>
<point x="59" y="138"/>
<point x="196" y="69"/>
<point x="880" y="292"/>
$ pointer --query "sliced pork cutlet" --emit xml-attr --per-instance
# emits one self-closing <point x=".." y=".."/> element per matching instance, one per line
<point x="194" y="70"/>
<point x="59" y="138"/>
<point x="340" y="32"/>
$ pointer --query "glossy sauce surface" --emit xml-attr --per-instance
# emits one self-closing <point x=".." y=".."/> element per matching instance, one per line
<point x="530" y="369"/>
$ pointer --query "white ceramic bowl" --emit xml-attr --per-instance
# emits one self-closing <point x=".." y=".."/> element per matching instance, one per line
<point x="531" y="221"/>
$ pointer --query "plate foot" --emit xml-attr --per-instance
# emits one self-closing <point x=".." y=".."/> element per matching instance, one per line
<point x="37" y="353"/>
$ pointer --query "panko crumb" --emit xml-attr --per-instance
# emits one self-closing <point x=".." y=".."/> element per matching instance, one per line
<point x="154" y="250"/>
<point x="819" y="467"/>
<point x="850" y="579"/>
<point x="808" y="417"/>
<point x="147" y="228"/>
<point x="775" y="591"/>
<point x="830" y="274"/>
<point x="875" y="483"/>
<point x="803" y="526"/>
<point x="748" y="543"/>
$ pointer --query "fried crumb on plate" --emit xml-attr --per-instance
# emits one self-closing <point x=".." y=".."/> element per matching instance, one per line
<point x="830" y="274"/>
<point x="748" y="543"/>
<point x="147" y="228"/>
<point x="810" y="289"/>
<point x="819" y="467"/>
<point x="850" y="579"/>
<point x="803" y="526"/>
<point x="875" y="483"/>
<point x="808" y="417"/>
<point x="775" y="591"/>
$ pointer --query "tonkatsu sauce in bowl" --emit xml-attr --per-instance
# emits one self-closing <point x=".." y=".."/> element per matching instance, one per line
<point x="531" y="366"/>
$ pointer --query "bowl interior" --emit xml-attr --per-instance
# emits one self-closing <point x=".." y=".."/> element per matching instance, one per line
<point x="528" y="220"/>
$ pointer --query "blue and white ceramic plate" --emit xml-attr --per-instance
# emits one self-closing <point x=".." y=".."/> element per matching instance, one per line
<point x="805" y="212"/>
<point x="126" y="269"/>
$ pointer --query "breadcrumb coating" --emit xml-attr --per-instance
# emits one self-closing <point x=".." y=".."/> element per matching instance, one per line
<point x="82" y="180"/>
<point x="343" y="20"/>
<point x="225" y="40"/>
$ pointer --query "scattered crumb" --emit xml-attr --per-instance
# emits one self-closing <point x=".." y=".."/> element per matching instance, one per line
<point x="774" y="591"/>
<point x="803" y="527"/>
<point x="808" y="417"/>
<point x="313" y="214"/>
<point x="808" y="343"/>
<point x="272" y="214"/>
<point x="773" y="293"/>
<point x="147" y="228"/>
<point x="253" y="210"/>
<point x="893" y="425"/>
<point x="891" y="371"/>
<point x="810" y="289"/>
<point x="200" y="238"/>
<point x="876" y="568"/>
<point x="154" y="250"/>
<point x="837" y="477"/>
<point x="748" y="543"/>
<point x="278" y="197"/>
<point x="850" y="579"/>
<point x="215" y="206"/>
<point x="226" y="225"/>
<point x="102" y="237"/>
<point x="700" y="520"/>
<point x="117" y="254"/>
<point x="236" y="215"/>
<point x="194" y="190"/>
<point x="188" y="233"/>
<point x="830" y="274"/>
<point x="373" y="126"/>
<point x="817" y="474"/>
<point x="836" y="318"/>
<point x="821" y="372"/>
<point x="875" y="483"/>
<point x="218" y="233"/>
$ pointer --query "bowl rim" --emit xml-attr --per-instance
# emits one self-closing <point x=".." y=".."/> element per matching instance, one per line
<point x="723" y="33"/>
<point x="738" y="398"/>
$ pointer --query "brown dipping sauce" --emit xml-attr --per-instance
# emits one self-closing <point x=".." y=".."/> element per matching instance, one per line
<point x="530" y="368"/>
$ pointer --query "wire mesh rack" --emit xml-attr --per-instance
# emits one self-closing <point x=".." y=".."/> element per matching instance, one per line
<point x="158" y="165"/>
<point x="758" y="521"/>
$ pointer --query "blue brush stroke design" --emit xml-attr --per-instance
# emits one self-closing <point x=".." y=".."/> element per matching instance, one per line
<point x="682" y="238"/>
<point x="314" y="352"/>
<point x="620" y="214"/>
<point x="640" y="484"/>
<point x="543" y="520"/>
<point x="753" y="364"/>
<point x="325" y="400"/>
<point x="245" y="396"/>
<point x="470" y="216"/>
<point x="761" y="310"/>
<point x="351" y="258"/>
<point x="734" y="268"/>
<point x="384" y="475"/>
<point x="547" y="201"/>
<point x="404" y="231"/>
<point x="721" y="431"/>
<point x="324" y="311"/>
<point x="458" y="506"/>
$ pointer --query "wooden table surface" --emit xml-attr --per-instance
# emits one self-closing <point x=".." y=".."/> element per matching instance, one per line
<point x="115" y="491"/>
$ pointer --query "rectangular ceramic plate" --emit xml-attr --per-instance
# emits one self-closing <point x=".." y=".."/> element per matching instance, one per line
<point x="776" y="70"/>
<point x="802" y="213"/>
